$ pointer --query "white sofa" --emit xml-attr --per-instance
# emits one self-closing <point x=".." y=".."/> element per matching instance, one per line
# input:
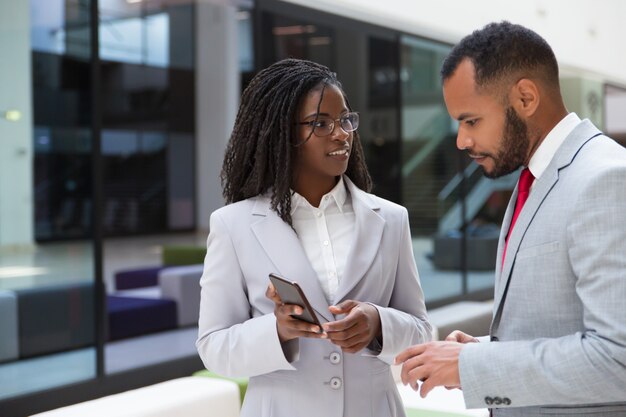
<point x="188" y="397"/>
<point x="182" y="284"/>
<point x="178" y="283"/>
<point x="471" y="317"/>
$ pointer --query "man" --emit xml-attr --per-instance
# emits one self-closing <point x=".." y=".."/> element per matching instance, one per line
<point x="558" y="335"/>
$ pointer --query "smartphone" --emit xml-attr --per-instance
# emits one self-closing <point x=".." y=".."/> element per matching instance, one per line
<point x="291" y="293"/>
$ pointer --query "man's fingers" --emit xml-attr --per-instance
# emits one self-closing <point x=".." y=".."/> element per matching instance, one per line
<point x="409" y="353"/>
<point x="455" y="336"/>
<point x="460" y="337"/>
<point x="412" y="370"/>
<point x="426" y="387"/>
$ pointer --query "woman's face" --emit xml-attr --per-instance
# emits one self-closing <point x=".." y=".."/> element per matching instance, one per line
<point x="321" y="159"/>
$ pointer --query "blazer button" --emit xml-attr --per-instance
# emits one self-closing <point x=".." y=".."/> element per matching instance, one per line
<point x="335" y="383"/>
<point x="497" y="401"/>
<point x="506" y="401"/>
<point x="494" y="339"/>
<point x="335" y="358"/>
<point x="488" y="400"/>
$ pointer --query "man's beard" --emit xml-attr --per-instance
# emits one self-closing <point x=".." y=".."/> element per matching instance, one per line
<point x="513" y="146"/>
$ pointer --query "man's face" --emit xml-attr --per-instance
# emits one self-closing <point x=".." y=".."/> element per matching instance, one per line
<point x="493" y="135"/>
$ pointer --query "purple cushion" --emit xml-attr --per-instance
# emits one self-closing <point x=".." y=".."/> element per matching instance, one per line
<point x="137" y="278"/>
<point x="130" y="316"/>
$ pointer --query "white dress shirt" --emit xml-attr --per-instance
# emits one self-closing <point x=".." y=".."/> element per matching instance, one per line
<point x="547" y="149"/>
<point x="326" y="233"/>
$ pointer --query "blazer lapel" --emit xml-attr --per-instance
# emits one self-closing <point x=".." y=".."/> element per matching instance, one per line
<point x="281" y="244"/>
<point x="539" y="192"/>
<point x="367" y="237"/>
<point x="564" y="156"/>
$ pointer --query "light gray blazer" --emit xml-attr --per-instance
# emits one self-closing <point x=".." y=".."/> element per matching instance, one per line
<point x="237" y="327"/>
<point x="560" y="297"/>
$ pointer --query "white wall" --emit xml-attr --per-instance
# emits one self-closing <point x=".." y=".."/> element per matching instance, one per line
<point x="217" y="99"/>
<point x="588" y="36"/>
<point x="16" y="137"/>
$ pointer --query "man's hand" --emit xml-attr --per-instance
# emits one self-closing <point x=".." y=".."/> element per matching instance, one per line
<point x="355" y="331"/>
<point x="459" y="336"/>
<point x="433" y="363"/>
<point x="288" y="326"/>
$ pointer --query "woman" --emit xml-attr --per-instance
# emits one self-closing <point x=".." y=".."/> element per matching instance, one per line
<point x="296" y="184"/>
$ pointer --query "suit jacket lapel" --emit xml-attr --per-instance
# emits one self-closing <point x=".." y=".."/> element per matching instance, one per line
<point x="564" y="156"/>
<point x="281" y="244"/>
<point x="367" y="237"/>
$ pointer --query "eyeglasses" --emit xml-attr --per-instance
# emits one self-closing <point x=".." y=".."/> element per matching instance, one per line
<point x="324" y="126"/>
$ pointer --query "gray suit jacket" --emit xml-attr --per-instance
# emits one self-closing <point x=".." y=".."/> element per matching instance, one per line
<point x="560" y="297"/>
<point x="237" y="327"/>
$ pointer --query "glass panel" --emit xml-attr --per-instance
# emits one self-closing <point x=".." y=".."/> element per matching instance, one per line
<point x="148" y="146"/>
<point x="451" y="204"/>
<point x="287" y="37"/>
<point x="430" y="163"/>
<point x="148" y="100"/>
<point x="366" y="67"/>
<point x="46" y="285"/>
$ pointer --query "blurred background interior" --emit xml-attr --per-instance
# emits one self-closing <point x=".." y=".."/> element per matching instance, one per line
<point x="114" y="115"/>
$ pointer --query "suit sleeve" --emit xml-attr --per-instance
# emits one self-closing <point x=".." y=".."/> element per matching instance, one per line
<point x="404" y="322"/>
<point x="587" y="367"/>
<point x="230" y="341"/>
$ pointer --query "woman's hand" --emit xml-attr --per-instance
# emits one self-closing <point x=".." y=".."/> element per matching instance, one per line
<point x="357" y="330"/>
<point x="288" y="326"/>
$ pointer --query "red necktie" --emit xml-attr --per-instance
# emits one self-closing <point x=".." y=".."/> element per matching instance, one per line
<point x="523" y="189"/>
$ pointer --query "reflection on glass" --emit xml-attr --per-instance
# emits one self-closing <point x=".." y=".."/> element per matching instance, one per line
<point x="148" y="153"/>
<point x="148" y="79"/>
<point x="47" y="322"/>
<point x="429" y="161"/>
<point x="368" y="67"/>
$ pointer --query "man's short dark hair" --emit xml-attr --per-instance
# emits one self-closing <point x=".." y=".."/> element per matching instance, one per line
<point x="502" y="50"/>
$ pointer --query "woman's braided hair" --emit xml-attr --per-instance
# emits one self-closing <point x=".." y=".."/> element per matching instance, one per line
<point x="261" y="151"/>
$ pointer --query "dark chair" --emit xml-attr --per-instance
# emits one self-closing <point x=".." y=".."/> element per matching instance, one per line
<point x="55" y="318"/>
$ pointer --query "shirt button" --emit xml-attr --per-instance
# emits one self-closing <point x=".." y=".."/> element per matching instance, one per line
<point x="335" y="383"/>
<point x="318" y="214"/>
<point x="335" y="358"/>
<point x="331" y="273"/>
<point x="325" y="243"/>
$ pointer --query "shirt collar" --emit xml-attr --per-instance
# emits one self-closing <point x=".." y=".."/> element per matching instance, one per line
<point x="548" y="147"/>
<point x="338" y="195"/>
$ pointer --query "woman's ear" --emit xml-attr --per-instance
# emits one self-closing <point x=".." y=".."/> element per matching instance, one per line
<point x="524" y="97"/>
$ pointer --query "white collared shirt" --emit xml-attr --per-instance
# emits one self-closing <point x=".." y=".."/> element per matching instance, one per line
<point x="326" y="234"/>
<point x="552" y="142"/>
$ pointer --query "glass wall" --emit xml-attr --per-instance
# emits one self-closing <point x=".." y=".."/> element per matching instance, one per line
<point x="47" y="292"/>
<point x="366" y="63"/>
<point x="138" y="152"/>
<point x="409" y="139"/>
<point x="148" y="85"/>
<point x="147" y="52"/>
